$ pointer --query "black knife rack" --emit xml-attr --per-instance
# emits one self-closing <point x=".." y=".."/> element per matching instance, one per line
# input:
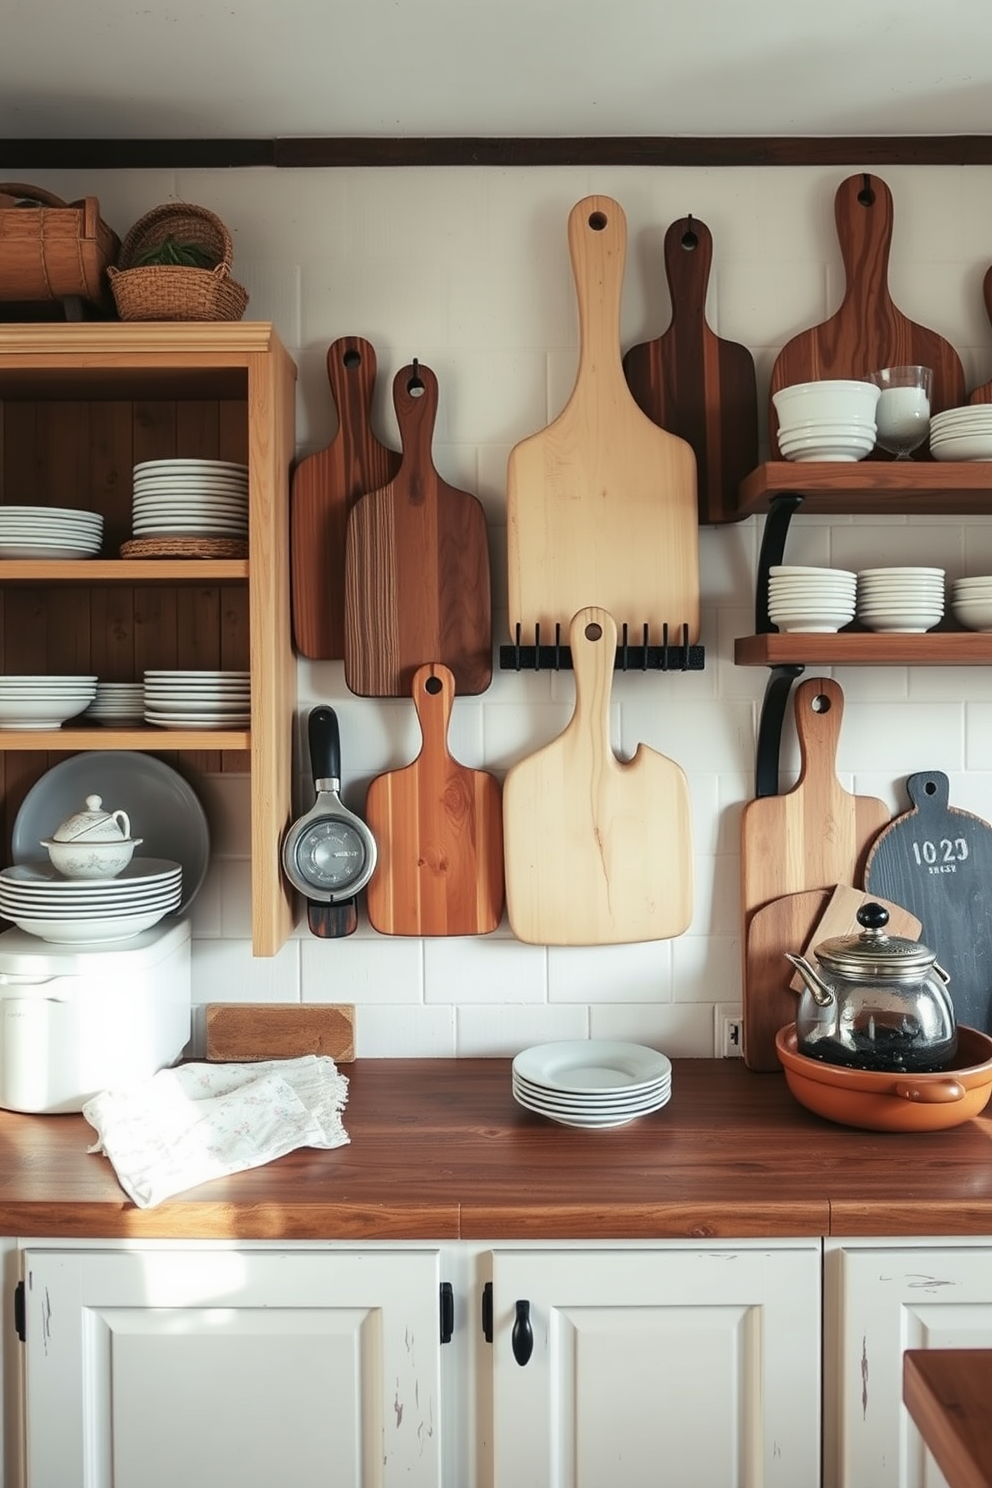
<point x="642" y="657"/>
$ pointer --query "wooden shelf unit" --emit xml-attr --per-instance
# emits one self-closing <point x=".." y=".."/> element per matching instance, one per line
<point x="80" y="404"/>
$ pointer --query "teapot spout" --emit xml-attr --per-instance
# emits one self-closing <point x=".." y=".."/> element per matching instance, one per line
<point x="818" y="989"/>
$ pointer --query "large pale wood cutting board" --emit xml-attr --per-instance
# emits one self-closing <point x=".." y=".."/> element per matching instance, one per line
<point x="598" y="850"/>
<point x="601" y="505"/>
<point x="416" y="581"/>
<point x="868" y="332"/>
<point x="439" y="828"/>
<point x="325" y="486"/>
<point x="697" y="384"/>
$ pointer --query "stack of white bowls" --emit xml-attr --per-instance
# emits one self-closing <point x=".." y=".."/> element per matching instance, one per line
<point x="200" y="699"/>
<point x="829" y="420"/>
<point x="43" y="702"/>
<point x="49" y="532"/>
<point x="900" y="601"/>
<point x="971" y="601"/>
<point x="117" y="703"/>
<point x="962" y="433"/>
<point x="810" y="600"/>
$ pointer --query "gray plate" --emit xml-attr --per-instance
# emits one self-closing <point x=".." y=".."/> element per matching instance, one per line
<point x="163" y="808"/>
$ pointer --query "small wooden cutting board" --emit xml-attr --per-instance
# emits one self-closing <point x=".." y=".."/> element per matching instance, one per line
<point x="439" y="829"/>
<point x="598" y="850"/>
<point x="275" y="1030"/>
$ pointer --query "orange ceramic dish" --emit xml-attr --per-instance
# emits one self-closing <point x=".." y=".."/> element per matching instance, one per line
<point x="878" y="1100"/>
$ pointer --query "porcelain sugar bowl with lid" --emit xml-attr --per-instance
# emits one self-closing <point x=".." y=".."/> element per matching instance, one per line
<point x="92" y="843"/>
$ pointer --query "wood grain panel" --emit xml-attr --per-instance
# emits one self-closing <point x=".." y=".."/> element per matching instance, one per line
<point x="273" y="1030"/>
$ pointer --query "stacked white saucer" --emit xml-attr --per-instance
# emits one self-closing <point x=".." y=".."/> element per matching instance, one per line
<point x="900" y="601"/>
<point x="49" y="532"/>
<point x="198" y="699"/>
<point x="971" y="601"/>
<point x="117" y="703"/>
<point x="83" y="911"/>
<point x="962" y="433"/>
<point x="832" y="419"/>
<point x="591" y="1082"/>
<point x="803" y="598"/>
<point x="190" y="498"/>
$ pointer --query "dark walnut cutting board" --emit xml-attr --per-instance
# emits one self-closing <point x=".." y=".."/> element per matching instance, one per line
<point x="439" y="829"/>
<point x="416" y="573"/>
<point x="696" y="384"/>
<point x="868" y="332"/>
<point x="324" y="488"/>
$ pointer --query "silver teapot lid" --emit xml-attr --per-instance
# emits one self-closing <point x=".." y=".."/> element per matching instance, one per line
<point x="873" y="953"/>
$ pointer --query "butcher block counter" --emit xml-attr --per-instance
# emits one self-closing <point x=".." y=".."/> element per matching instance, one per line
<point x="439" y="1150"/>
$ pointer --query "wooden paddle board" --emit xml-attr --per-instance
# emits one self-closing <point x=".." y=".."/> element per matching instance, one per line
<point x="416" y="585"/>
<point x="598" y="850"/>
<point x="601" y="505"/>
<point x="695" y="384"/>
<point x="439" y="828"/>
<point x="324" y="488"/>
<point x="983" y="394"/>
<point x="797" y="922"/>
<point x="868" y="332"/>
<point x="937" y="860"/>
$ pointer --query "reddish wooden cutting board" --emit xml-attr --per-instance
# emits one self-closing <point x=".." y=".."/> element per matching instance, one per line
<point x="867" y="332"/>
<point x="598" y="850"/>
<point x="696" y="384"/>
<point x="796" y="922"/>
<point x="817" y="834"/>
<point x="439" y="828"/>
<point x="325" y="486"/>
<point x="983" y="394"/>
<point x="416" y="581"/>
<point x="601" y="505"/>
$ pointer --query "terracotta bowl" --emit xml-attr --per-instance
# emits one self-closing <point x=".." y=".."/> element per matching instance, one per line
<point x="880" y="1101"/>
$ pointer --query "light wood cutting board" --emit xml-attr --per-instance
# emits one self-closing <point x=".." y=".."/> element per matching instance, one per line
<point x="601" y="505"/>
<point x="598" y="850"/>
<point x="439" y="829"/>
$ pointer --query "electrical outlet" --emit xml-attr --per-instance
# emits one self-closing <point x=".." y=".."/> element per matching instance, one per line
<point x="729" y="1031"/>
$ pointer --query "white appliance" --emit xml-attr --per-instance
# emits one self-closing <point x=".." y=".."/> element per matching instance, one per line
<point x="75" y="1020"/>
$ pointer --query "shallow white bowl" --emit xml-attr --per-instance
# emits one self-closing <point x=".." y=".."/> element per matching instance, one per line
<point x="40" y="713"/>
<point x="811" y="625"/>
<point x="90" y="931"/>
<point x="974" y="616"/>
<point x="974" y="447"/>
<point x="829" y="456"/>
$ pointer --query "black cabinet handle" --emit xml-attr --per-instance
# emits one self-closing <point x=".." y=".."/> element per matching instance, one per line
<point x="522" y="1337"/>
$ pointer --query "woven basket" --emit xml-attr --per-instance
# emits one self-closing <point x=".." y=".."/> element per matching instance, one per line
<point x="55" y="251"/>
<point x="173" y="291"/>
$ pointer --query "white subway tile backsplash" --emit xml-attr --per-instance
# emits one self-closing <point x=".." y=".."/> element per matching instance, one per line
<point x="680" y="1030"/>
<point x="226" y="971"/>
<point x="365" y="968"/>
<point x="641" y="972"/>
<point x="499" y="1031"/>
<point x="402" y="1032"/>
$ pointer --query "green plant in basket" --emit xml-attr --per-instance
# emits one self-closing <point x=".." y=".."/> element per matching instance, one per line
<point x="171" y="251"/>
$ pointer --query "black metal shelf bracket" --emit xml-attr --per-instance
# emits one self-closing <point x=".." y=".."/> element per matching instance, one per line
<point x="643" y="657"/>
<point x="780" y="678"/>
<point x="772" y="551"/>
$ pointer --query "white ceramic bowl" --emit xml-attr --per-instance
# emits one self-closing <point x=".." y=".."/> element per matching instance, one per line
<point x="41" y="712"/>
<point x="828" y="454"/>
<point x="80" y="859"/>
<point x="90" y="931"/>
<point x="973" y="614"/>
<point x="836" y="400"/>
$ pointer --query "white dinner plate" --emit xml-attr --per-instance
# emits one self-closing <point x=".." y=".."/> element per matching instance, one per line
<point x="199" y="720"/>
<point x="185" y="463"/>
<point x="591" y="1064"/>
<point x="592" y="1122"/>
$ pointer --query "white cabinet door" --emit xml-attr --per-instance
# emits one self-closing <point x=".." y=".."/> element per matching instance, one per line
<point x="161" y="1368"/>
<point x="698" y="1368"/>
<point x="881" y="1300"/>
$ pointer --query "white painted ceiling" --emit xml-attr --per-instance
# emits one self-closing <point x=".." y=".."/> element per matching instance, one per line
<point x="200" y="69"/>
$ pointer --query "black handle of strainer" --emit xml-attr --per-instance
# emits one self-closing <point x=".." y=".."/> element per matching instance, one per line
<point x="325" y="747"/>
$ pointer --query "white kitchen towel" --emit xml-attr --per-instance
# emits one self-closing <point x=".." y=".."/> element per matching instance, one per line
<point x="187" y="1125"/>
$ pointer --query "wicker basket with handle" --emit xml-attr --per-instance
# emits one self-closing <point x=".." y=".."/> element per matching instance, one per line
<point x="177" y="291"/>
<point x="51" y="249"/>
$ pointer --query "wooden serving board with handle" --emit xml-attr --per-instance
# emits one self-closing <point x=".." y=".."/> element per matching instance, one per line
<point x="324" y="488"/>
<point x="598" y="850"/>
<point x="696" y="384"/>
<point x="416" y="583"/>
<point x="439" y="828"/>
<point x="601" y="505"/>
<point x="983" y="394"/>
<point x="937" y="860"/>
<point x="868" y="332"/>
<point x="797" y="922"/>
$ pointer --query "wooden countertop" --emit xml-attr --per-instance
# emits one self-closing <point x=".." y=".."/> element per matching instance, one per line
<point x="947" y="1393"/>
<point x="440" y="1150"/>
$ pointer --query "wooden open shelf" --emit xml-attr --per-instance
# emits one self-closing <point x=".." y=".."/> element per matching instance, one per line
<point x="936" y="648"/>
<point x="889" y="488"/>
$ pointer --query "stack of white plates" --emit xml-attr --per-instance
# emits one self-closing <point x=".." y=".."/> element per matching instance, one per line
<point x="49" y="532"/>
<point x="807" y="599"/>
<point x="592" y="1082"/>
<point x="75" y="911"/>
<point x="200" y="699"/>
<point x="32" y="702"/>
<point x="900" y="601"/>
<point x="971" y="601"/>
<point x="831" y="419"/>
<point x="190" y="498"/>
<point x="117" y="703"/>
<point x="962" y="433"/>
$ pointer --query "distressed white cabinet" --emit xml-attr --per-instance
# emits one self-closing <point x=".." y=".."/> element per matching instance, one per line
<point x="195" y="1367"/>
<point x="883" y="1297"/>
<point x="629" y="1368"/>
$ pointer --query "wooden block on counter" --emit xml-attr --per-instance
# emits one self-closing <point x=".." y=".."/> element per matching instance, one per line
<point x="275" y="1030"/>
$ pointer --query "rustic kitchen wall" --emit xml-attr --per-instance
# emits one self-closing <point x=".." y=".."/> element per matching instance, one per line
<point x="468" y="270"/>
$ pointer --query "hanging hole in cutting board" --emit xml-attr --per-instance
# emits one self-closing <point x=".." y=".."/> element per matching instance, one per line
<point x="820" y="704"/>
<point x="416" y="386"/>
<point x="690" y="238"/>
<point x="866" y="196"/>
<point x="594" y="631"/>
<point x="433" y="685"/>
<point x="597" y="221"/>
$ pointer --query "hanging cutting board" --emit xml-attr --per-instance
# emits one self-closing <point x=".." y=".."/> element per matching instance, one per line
<point x="601" y="505"/>
<point x="325" y="486"/>
<point x="598" y="850"/>
<point x="416" y="584"/>
<point x="983" y="394"/>
<point x="868" y="332"/>
<point x="817" y="834"/>
<point x="937" y="860"/>
<point x="695" y="384"/>
<point x="439" y="826"/>
<point x="796" y="922"/>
